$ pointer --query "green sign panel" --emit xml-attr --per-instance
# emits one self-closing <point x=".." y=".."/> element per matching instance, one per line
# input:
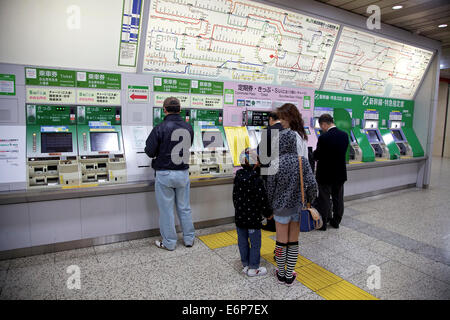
<point x="98" y="80"/>
<point x="50" y="115"/>
<point x="7" y="84"/>
<point x="91" y="113"/>
<point x="229" y="96"/>
<point x="206" y="87"/>
<point x="359" y="104"/>
<point x="49" y="77"/>
<point x="171" y="85"/>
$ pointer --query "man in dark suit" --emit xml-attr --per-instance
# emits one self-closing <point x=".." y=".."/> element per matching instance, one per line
<point x="331" y="171"/>
<point x="274" y="124"/>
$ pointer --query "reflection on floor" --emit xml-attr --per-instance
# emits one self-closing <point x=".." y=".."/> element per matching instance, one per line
<point x="405" y="234"/>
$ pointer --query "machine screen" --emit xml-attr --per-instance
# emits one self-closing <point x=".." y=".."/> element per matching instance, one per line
<point x="212" y="139"/>
<point x="373" y="136"/>
<point x="395" y="125"/>
<point x="370" y="124"/>
<point x="307" y="131"/>
<point x="316" y="123"/>
<point x="104" y="141"/>
<point x="397" y="135"/>
<point x="56" y="142"/>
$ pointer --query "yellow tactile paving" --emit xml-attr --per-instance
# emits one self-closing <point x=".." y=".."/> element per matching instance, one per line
<point x="265" y="233"/>
<point x="316" y="277"/>
<point x="218" y="240"/>
<point x="267" y="246"/>
<point x="321" y="281"/>
<point x="232" y="233"/>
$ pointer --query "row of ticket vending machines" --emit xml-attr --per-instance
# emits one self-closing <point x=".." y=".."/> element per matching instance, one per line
<point x="84" y="145"/>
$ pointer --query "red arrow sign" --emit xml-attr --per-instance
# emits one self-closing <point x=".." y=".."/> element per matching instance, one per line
<point x="133" y="96"/>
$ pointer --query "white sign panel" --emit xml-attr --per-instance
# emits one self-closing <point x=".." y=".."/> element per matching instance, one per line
<point x="367" y="64"/>
<point x="12" y="154"/>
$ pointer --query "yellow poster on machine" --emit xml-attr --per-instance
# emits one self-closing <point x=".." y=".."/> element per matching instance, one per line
<point x="238" y="140"/>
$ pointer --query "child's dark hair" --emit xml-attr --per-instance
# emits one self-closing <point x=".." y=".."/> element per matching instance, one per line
<point x="249" y="159"/>
<point x="273" y="115"/>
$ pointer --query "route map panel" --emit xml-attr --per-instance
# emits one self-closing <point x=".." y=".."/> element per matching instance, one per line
<point x="237" y="40"/>
<point x="367" y="64"/>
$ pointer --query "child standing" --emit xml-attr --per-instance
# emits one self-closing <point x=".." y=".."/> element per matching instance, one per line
<point x="250" y="204"/>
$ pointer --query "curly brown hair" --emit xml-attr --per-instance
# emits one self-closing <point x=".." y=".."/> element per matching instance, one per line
<point x="290" y="113"/>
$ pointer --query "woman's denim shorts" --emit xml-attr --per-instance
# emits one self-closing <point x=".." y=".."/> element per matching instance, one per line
<point x="286" y="219"/>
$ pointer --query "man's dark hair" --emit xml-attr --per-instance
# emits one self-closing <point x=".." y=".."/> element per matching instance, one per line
<point x="273" y="115"/>
<point x="172" y="105"/>
<point x="326" y="118"/>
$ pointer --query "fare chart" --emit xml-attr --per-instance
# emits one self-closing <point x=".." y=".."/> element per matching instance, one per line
<point x="366" y="64"/>
<point x="237" y="40"/>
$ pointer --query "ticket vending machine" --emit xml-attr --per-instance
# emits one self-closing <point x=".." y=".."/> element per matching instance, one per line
<point x="100" y="145"/>
<point x="355" y="152"/>
<point x="318" y="111"/>
<point x="255" y="121"/>
<point x="210" y="154"/>
<point x="51" y="146"/>
<point x="371" y="120"/>
<point x="395" y="126"/>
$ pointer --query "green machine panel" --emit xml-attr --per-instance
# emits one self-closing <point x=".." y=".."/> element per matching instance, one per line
<point x="99" y="130"/>
<point x="100" y="144"/>
<point x="414" y="142"/>
<point x="51" y="146"/>
<point x="51" y="131"/>
<point x="158" y="115"/>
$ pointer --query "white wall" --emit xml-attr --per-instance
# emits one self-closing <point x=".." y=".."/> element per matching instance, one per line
<point x="35" y="32"/>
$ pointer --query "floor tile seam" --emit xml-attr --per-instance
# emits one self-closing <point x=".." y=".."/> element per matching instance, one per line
<point x="420" y="271"/>
<point x="393" y="234"/>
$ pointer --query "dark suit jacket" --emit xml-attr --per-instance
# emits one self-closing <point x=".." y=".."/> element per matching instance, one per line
<point x="330" y="156"/>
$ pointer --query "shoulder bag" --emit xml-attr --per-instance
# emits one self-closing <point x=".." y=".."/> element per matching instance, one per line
<point x="310" y="218"/>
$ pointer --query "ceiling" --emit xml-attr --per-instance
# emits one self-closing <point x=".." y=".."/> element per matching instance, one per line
<point x="421" y="17"/>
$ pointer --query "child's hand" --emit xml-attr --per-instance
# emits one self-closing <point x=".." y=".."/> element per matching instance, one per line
<point x="270" y="218"/>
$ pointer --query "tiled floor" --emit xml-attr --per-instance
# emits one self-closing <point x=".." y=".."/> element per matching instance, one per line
<point x="406" y="234"/>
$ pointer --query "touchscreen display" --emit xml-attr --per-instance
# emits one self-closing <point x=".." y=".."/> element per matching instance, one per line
<point x="56" y="142"/>
<point x="373" y="136"/>
<point x="397" y="135"/>
<point x="104" y="141"/>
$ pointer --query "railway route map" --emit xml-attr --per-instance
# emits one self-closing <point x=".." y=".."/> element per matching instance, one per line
<point x="237" y="40"/>
<point x="371" y="65"/>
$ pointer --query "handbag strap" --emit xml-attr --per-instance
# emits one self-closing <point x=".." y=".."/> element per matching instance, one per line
<point x="301" y="181"/>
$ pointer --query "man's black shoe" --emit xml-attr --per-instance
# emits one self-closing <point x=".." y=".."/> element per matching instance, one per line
<point x="334" y="224"/>
<point x="324" y="227"/>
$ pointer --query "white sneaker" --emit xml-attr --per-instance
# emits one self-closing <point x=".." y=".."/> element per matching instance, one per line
<point x="257" y="272"/>
<point x="245" y="269"/>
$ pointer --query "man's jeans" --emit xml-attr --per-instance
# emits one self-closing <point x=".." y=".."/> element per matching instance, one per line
<point x="250" y="254"/>
<point x="172" y="188"/>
